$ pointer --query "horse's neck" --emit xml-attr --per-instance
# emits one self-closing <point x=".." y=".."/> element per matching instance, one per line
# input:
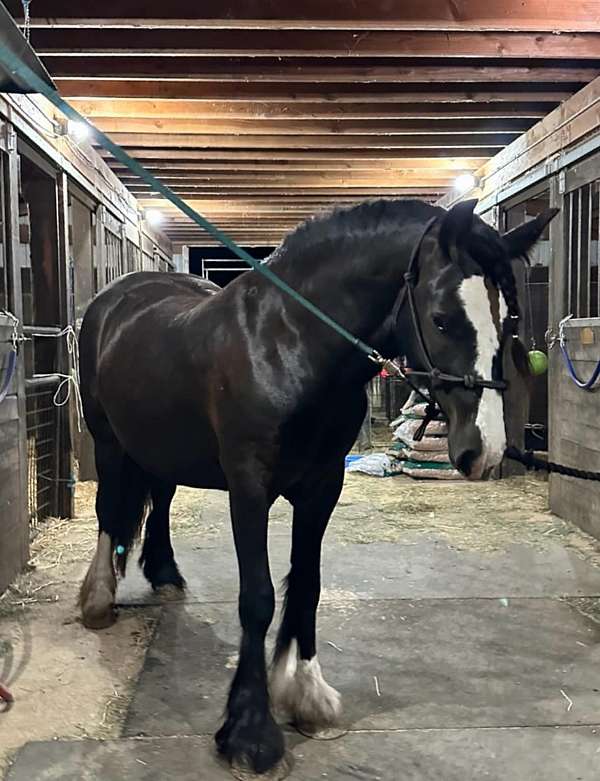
<point x="357" y="285"/>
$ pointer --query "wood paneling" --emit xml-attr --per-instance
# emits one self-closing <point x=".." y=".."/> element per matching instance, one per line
<point x="575" y="420"/>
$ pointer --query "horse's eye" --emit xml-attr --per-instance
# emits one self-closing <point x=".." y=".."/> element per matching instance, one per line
<point x="440" y="323"/>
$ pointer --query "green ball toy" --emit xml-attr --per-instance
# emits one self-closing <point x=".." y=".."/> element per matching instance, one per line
<point x="538" y="362"/>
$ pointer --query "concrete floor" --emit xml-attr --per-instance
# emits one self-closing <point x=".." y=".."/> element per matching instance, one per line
<point x="457" y="660"/>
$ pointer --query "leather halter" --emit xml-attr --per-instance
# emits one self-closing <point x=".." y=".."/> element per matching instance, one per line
<point x="433" y="376"/>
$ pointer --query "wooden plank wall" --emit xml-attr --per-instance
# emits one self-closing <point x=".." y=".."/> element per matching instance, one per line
<point x="14" y="531"/>
<point x="575" y="427"/>
<point x="561" y="150"/>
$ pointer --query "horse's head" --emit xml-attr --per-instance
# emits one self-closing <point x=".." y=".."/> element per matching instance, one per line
<point x="467" y="309"/>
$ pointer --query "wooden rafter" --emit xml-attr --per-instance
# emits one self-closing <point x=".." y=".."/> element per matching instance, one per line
<point x="526" y="15"/>
<point x="313" y="93"/>
<point x="471" y="141"/>
<point x="341" y="70"/>
<point x="78" y="42"/>
<point x="281" y="127"/>
<point x="231" y="110"/>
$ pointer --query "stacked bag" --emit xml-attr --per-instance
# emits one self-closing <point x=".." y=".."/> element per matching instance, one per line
<point x="427" y="458"/>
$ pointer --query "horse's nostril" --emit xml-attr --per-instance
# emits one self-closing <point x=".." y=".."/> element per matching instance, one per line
<point x="466" y="460"/>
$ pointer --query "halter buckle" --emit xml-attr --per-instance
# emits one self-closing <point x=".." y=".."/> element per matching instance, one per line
<point x="389" y="364"/>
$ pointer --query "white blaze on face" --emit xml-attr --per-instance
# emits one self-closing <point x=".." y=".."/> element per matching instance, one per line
<point x="490" y="414"/>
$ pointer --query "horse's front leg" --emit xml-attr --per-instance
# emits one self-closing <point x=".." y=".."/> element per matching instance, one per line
<point x="297" y="684"/>
<point x="250" y="735"/>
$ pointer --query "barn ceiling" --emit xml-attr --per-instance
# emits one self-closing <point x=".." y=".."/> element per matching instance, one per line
<point x="262" y="112"/>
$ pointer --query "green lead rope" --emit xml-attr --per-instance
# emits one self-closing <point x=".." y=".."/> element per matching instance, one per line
<point x="18" y="68"/>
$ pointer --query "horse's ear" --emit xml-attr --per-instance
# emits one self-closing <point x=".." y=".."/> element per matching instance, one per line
<point x="457" y="224"/>
<point x="520" y="240"/>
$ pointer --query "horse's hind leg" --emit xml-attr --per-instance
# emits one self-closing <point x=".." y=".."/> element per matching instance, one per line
<point x="98" y="589"/>
<point x="157" y="559"/>
<point x="297" y="684"/>
<point x="120" y="505"/>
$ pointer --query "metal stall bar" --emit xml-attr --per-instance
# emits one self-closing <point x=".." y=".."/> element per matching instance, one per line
<point x="588" y="287"/>
<point x="577" y="311"/>
<point x="568" y="239"/>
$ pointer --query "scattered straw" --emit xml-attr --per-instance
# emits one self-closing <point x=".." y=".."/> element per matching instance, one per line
<point x="568" y="699"/>
<point x="377" y="690"/>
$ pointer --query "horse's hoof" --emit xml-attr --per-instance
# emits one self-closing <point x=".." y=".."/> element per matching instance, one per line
<point x="277" y="773"/>
<point x="166" y="575"/>
<point x="328" y="733"/>
<point x="251" y="744"/>
<point x="100" y="617"/>
<point x="170" y="593"/>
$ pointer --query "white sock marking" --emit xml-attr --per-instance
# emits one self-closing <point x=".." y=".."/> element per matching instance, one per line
<point x="298" y="688"/>
<point x="282" y="675"/>
<point x="490" y="414"/>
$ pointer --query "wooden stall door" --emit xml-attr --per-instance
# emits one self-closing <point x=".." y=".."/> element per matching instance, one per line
<point x="42" y="290"/>
<point x="575" y="413"/>
<point x="14" y="530"/>
<point x="82" y="230"/>
<point x="534" y="305"/>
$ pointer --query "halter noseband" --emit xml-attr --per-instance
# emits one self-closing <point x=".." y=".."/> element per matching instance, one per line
<point x="432" y="375"/>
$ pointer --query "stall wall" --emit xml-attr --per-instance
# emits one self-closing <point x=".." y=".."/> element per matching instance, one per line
<point x="67" y="228"/>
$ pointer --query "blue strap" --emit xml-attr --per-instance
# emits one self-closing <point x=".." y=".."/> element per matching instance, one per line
<point x="584" y="384"/>
<point x="562" y="340"/>
<point x="11" y="366"/>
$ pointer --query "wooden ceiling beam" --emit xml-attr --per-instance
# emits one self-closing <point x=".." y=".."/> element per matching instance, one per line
<point x="533" y="15"/>
<point x="301" y="179"/>
<point x="296" y="110"/>
<point x="283" y="225"/>
<point x="312" y="93"/>
<point x="311" y="127"/>
<point x="362" y="192"/>
<point x="102" y="41"/>
<point x="292" y="184"/>
<point x="423" y="165"/>
<point x="148" y="155"/>
<point x="237" y="210"/>
<point x="292" y="200"/>
<point x="471" y="141"/>
<point x="341" y="70"/>
<point x="204" y="202"/>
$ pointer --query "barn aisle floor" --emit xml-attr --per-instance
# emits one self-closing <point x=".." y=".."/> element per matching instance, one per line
<point x="460" y="622"/>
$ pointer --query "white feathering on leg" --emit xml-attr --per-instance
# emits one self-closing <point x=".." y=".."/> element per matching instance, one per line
<point x="299" y="690"/>
<point x="316" y="703"/>
<point x="281" y="684"/>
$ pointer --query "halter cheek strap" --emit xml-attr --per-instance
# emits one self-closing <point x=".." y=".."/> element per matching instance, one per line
<point x="432" y="375"/>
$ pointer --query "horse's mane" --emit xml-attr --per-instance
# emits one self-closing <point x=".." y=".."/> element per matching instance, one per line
<point x="380" y="218"/>
<point x="362" y="221"/>
<point x="486" y="247"/>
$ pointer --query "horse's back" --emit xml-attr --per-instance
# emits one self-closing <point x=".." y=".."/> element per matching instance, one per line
<point x="135" y="367"/>
<point x="127" y="298"/>
<point x="145" y="288"/>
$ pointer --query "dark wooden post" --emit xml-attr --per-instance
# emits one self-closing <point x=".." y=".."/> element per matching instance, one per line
<point x="66" y="492"/>
<point x="14" y="529"/>
<point x="516" y="397"/>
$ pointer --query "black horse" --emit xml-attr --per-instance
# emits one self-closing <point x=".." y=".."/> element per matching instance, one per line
<point x="243" y="390"/>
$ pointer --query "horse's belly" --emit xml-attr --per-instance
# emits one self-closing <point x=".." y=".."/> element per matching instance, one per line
<point x="180" y="449"/>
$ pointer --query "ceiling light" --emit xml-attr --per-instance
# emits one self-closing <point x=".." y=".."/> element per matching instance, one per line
<point x="78" y="131"/>
<point x="464" y="183"/>
<point x="154" y="217"/>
